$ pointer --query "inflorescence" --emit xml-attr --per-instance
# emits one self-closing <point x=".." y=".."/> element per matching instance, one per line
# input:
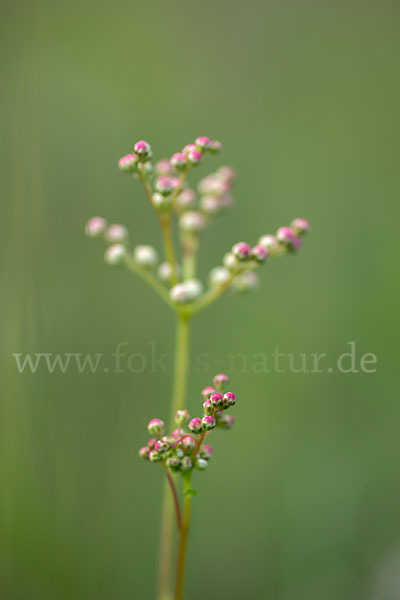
<point x="166" y="187"/>
<point x="183" y="449"/>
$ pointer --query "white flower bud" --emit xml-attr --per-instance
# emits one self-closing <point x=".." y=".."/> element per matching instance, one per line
<point x="192" y="222"/>
<point x="114" y="254"/>
<point x="218" y="276"/>
<point x="145" y="256"/>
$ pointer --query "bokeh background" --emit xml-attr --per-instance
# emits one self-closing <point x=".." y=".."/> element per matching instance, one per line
<point x="302" y="499"/>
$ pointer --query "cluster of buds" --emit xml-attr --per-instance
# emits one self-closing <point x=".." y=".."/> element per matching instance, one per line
<point x="167" y="189"/>
<point x="184" y="449"/>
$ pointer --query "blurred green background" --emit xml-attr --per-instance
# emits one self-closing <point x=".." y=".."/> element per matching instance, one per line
<point x="302" y="499"/>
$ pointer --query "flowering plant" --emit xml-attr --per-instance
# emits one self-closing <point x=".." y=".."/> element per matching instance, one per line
<point x="165" y="184"/>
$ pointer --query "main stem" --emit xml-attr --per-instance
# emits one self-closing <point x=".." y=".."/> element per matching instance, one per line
<point x="178" y="401"/>
<point x="183" y="537"/>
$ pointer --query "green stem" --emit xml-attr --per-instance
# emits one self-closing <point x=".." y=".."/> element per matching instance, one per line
<point x="189" y="245"/>
<point x="178" y="401"/>
<point x="150" y="278"/>
<point x="183" y="537"/>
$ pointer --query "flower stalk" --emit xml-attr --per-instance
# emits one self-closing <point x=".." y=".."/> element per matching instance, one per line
<point x="183" y="452"/>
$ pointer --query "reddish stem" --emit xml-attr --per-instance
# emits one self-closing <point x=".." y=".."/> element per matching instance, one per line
<point x="175" y="497"/>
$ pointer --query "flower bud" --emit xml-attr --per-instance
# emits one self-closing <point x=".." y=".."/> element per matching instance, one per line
<point x="128" y="163"/>
<point x="210" y="205"/>
<point x="194" y="288"/>
<point x="259" y="253"/>
<point x="206" y="452"/>
<point x="186" y="200"/>
<point x="215" y="147"/>
<point x="195" y="425"/>
<point x="269" y="242"/>
<point x="165" y="185"/>
<point x="168" y="439"/>
<point x="218" y="276"/>
<point x="188" y="444"/>
<point x="186" y="463"/>
<point x="116" y="234"/>
<point x="156" y="427"/>
<point x="145" y="256"/>
<point x="165" y="272"/>
<point x="300" y="226"/>
<point x="163" y="167"/>
<point x="201" y="464"/>
<point x="179" y="160"/>
<point x="229" y="400"/>
<point x="142" y="149"/>
<point x="114" y="254"/>
<point x="178" y="433"/>
<point x="207" y="391"/>
<point x="173" y="463"/>
<point x="179" y="294"/>
<point x="220" y="381"/>
<point x="246" y="282"/>
<point x="225" y="420"/>
<point x="194" y="157"/>
<point x="161" y="446"/>
<point x="144" y="452"/>
<point x="192" y="222"/>
<point x="285" y="235"/>
<point x="151" y="443"/>
<point x="296" y="244"/>
<point x="204" y="143"/>
<point x="231" y="262"/>
<point x="208" y="408"/>
<point x="95" y="227"/>
<point x="208" y="422"/>
<point x="227" y="173"/>
<point x="155" y="456"/>
<point x="189" y="148"/>
<point x="242" y="251"/>
<point x="161" y="202"/>
<point x="216" y="400"/>
<point x="181" y="417"/>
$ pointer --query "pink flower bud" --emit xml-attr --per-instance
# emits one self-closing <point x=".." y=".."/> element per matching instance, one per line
<point x="215" y="147"/>
<point x="225" y="420"/>
<point x="300" y="226"/>
<point x="192" y="222"/>
<point x="178" y="433"/>
<point x="151" y="443"/>
<point x="114" y="254"/>
<point x="194" y="157"/>
<point x="242" y="251"/>
<point x="165" y="185"/>
<point x="208" y="407"/>
<point x="95" y="227"/>
<point x="128" y="163"/>
<point x="206" y="452"/>
<point x="229" y="400"/>
<point x="144" y="452"/>
<point x="116" y="234"/>
<point x="161" y="446"/>
<point x="156" y="427"/>
<point x="155" y="456"/>
<point x="259" y="253"/>
<point x="188" y="445"/>
<point x="285" y="235"/>
<point x="227" y="173"/>
<point x="207" y="391"/>
<point x="182" y="417"/>
<point x="269" y="242"/>
<point x="142" y="148"/>
<point x="296" y="244"/>
<point x="163" y="167"/>
<point x="179" y="160"/>
<point x="189" y="148"/>
<point x="211" y="205"/>
<point x="221" y="380"/>
<point x="216" y="400"/>
<point x="208" y="422"/>
<point x="204" y="143"/>
<point x="195" y="425"/>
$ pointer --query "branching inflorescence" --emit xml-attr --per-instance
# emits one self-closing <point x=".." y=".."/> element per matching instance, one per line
<point x="175" y="281"/>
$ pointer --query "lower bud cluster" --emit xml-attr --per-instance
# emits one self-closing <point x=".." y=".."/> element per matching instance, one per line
<point x="185" y="450"/>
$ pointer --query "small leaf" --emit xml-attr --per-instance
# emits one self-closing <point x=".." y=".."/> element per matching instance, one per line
<point x="189" y="493"/>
